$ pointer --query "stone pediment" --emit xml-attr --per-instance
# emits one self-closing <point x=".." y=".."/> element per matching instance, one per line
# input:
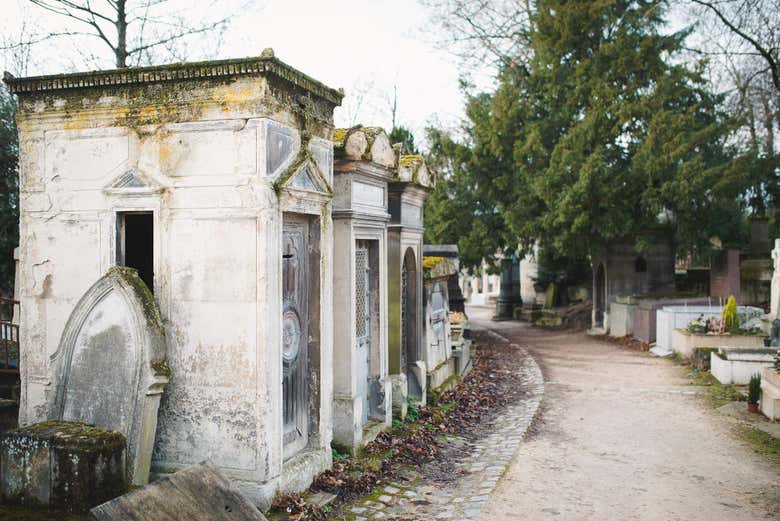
<point x="110" y="368"/>
<point x="364" y="143"/>
<point x="304" y="175"/>
<point x="131" y="182"/>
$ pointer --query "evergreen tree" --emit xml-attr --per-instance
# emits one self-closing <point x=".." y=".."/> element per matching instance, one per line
<point x="9" y="189"/>
<point x="603" y="135"/>
<point x="455" y="213"/>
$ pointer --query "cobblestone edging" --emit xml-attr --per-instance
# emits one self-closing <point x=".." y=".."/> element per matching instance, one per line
<point x="485" y="462"/>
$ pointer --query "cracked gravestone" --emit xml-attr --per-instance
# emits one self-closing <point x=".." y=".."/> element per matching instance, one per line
<point x="197" y="493"/>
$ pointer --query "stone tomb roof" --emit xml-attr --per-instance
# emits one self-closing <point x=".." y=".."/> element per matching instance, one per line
<point x="265" y="64"/>
<point x="372" y="144"/>
<point x="364" y="144"/>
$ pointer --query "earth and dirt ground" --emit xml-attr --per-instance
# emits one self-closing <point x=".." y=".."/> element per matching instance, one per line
<point x="622" y="435"/>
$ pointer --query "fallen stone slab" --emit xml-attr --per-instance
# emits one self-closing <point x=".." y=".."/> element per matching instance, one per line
<point x="197" y="493"/>
<point x="64" y="466"/>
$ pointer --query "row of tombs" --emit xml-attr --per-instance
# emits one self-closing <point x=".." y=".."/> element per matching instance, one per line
<point x="209" y="268"/>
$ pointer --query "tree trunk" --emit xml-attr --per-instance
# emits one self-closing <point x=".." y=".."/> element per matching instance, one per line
<point x="121" y="35"/>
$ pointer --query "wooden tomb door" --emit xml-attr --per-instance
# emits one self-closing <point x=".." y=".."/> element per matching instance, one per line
<point x="363" y="302"/>
<point x="295" y="340"/>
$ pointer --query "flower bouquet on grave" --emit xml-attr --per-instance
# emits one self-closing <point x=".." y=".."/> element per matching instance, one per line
<point x="697" y="325"/>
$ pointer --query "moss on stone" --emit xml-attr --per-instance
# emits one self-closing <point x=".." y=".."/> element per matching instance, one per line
<point x="161" y="367"/>
<point x="72" y="435"/>
<point x="338" y="135"/>
<point x="429" y="262"/>
<point x="150" y="308"/>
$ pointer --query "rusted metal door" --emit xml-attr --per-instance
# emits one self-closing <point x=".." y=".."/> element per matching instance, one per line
<point x="295" y="291"/>
<point x="363" y="300"/>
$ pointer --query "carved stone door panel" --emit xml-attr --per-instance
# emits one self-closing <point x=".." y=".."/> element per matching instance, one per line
<point x="363" y="302"/>
<point x="295" y="329"/>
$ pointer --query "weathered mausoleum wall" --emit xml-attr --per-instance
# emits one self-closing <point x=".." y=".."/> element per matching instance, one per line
<point x="226" y="170"/>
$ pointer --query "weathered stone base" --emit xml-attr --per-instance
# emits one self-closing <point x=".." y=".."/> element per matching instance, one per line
<point x="684" y="342"/>
<point x="462" y="357"/>
<point x="442" y="377"/>
<point x="62" y="465"/>
<point x="349" y="432"/>
<point x="400" y="396"/>
<point x="299" y="472"/>
<point x="730" y="366"/>
<point x="770" y="393"/>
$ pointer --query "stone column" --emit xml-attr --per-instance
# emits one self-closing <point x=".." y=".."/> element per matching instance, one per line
<point x="509" y="294"/>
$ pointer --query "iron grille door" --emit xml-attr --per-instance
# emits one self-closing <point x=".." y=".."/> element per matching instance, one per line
<point x="362" y="322"/>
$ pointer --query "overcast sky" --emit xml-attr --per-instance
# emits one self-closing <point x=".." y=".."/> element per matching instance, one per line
<point x="359" y="45"/>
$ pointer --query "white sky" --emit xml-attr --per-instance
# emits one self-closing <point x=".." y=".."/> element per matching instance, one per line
<point x="359" y="45"/>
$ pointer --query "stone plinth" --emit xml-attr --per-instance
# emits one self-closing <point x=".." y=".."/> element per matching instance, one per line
<point x="684" y="342"/>
<point x="770" y="393"/>
<point x="62" y="465"/>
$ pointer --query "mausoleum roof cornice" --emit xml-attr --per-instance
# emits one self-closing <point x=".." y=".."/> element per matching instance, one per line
<point x="265" y="64"/>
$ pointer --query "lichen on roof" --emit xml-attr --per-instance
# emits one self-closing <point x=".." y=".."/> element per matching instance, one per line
<point x="430" y="262"/>
<point x="410" y="160"/>
<point x="437" y="267"/>
<point x="338" y="136"/>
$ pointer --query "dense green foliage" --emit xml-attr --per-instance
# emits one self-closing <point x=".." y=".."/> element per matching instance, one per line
<point x="604" y="135"/>
<point x="9" y="189"/>
<point x="455" y="213"/>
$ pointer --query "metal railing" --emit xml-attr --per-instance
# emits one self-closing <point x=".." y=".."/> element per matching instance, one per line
<point x="9" y="335"/>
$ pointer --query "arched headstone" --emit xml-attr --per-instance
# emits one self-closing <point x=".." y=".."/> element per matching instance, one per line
<point x="110" y="367"/>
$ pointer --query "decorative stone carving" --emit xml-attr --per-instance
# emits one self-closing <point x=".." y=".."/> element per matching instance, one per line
<point x="111" y="367"/>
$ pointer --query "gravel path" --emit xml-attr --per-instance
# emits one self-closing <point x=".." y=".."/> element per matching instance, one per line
<point x="479" y="463"/>
<point x="622" y="436"/>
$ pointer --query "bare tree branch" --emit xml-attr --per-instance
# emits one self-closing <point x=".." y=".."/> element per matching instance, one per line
<point x="135" y="31"/>
<point x="766" y="53"/>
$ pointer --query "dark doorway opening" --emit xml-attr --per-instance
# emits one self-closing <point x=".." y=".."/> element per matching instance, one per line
<point x="601" y="296"/>
<point x="136" y="244"/>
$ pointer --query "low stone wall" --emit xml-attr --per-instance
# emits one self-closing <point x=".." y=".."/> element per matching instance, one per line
<point x="684" y="342"/>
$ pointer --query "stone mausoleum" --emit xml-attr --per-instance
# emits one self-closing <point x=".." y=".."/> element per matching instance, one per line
<point x="407" y="192"/>
<point x="365" y="163"/>
<point x="619" y="270"/>
<point x="214" y="181"/>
